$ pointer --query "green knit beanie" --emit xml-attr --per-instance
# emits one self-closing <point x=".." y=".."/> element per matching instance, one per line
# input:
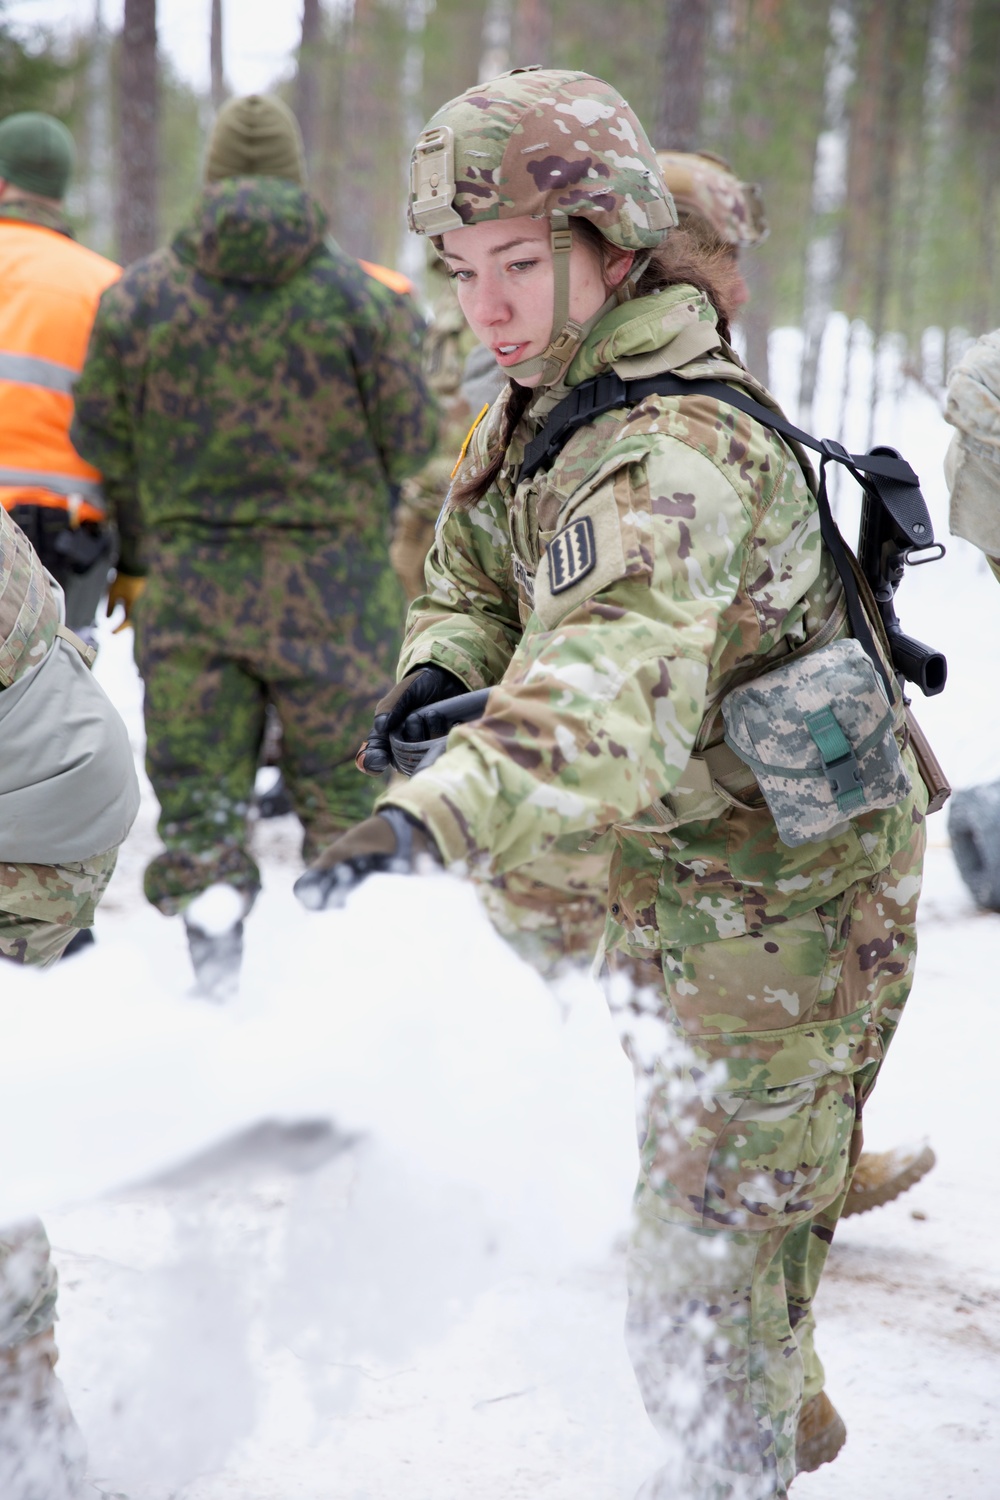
<point x="36" y="153"/>
<point x="257" y="136"/>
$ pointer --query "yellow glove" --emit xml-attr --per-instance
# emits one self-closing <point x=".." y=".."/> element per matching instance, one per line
<point x="126" y="591"/>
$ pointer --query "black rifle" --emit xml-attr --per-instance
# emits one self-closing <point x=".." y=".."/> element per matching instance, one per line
<point x="895" y="529"/>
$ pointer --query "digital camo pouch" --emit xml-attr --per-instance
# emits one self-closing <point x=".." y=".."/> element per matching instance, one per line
<point x="818" y="735"/>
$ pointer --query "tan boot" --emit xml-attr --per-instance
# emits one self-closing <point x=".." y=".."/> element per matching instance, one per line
<point x="881" y="1176"/>
<point x="42" y="1452"/>
<point x="821" y="1434"/>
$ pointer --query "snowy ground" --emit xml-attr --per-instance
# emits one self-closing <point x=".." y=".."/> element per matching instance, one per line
<point x="423" y="1299"/>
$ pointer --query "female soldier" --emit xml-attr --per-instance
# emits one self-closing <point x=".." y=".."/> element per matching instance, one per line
<point x="668" y="553"/>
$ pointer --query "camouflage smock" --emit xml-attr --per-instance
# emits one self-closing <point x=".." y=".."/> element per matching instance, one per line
<point x="707" y="564"/>
<point x="252" y="375"/>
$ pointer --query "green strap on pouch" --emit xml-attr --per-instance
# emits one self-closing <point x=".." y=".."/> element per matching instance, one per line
<point x="839" y="760"/>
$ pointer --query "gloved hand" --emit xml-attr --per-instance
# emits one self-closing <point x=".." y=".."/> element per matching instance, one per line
<point x="124" y="589"/>
<point x="426" y="685"/>
<point x="391" y="842"/>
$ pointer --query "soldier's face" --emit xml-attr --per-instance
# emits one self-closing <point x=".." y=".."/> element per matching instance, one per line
<point x="503" y="276"/>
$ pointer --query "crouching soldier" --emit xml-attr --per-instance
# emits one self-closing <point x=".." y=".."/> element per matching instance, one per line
<point x="68" y="796"/>
<point x="972" y="463"/>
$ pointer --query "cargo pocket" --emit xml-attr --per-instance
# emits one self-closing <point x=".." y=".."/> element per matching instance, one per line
<point x="782" y="1155"/>
<point x="772" y="1157"/>
<point x="752" y="982"/>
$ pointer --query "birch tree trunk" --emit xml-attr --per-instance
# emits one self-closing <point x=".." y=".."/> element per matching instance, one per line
<point x="823" y="254"/>
<point x="99" y="166"/>
<point x="495" y="56"/>
<point x="215" y="57"/>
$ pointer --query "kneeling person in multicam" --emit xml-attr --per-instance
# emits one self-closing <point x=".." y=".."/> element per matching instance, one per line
<point x="68" y="796"/>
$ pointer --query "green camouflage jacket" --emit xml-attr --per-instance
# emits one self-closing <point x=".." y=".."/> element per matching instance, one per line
<point x="252" y="374"/>
<point x="668" y="554"/>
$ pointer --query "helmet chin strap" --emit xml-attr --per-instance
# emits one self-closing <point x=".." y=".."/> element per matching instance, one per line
<point x="564" y="340"/>
<point x="567" y="336"/>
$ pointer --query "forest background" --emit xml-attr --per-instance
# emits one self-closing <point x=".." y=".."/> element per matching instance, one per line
<point x="871" y="125"/>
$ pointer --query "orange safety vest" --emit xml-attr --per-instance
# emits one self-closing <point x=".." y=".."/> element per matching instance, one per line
<point x="394" y="280"/>
<point x="49" y="290"/>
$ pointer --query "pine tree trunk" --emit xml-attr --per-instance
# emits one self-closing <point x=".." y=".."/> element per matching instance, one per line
<point x="307" y="80"/>
<point x="356" y="211"/>
<point x="452" y="51"/>
<point x="682" y="75"/>
<point x="138" y="132"/>
<point x="531" y="38"/>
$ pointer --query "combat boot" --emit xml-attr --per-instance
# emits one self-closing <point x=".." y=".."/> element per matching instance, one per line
<point x="42" y="1452"/>
<point x="881" y="1176"/>
<point x="821" y="1434"/>
<point x="275" y="802"/>
<point x="214" y="926"/>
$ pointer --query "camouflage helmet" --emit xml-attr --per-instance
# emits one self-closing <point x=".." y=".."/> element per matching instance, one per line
<point x="706" y="186"/>
<point x="551" y="145"/>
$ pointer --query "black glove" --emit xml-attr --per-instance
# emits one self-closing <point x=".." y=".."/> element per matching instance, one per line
<point x="391" y="842"/>
<point x="426" y="685"/>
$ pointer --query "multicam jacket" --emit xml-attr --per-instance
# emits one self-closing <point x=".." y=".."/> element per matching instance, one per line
<point x="253" y="375"/>
<point x="669" y="553"/>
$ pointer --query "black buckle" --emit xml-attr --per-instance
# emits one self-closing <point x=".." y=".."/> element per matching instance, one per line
<point x="830" y="448"/>
<point x="844" y="775"/>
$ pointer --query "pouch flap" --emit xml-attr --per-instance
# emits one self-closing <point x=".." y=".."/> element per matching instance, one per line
<point x="818" y="734"/>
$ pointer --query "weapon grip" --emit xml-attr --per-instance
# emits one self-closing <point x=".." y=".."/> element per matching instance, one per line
<point x="918" y="663"/>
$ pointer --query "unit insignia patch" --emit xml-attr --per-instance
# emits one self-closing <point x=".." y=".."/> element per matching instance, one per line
<point x="572" y="554"/>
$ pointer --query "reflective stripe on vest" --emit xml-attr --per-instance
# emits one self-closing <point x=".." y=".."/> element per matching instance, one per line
<point x="29" y="369"/>
<point x="59" y="484"/>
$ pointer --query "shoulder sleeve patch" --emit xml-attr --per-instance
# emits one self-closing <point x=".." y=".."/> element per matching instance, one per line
<point x="571" y="555"/>
<point x="581" y="559"/>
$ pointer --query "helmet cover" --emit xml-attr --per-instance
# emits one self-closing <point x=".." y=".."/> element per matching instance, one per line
<point x="705" y="186"/>
<point x="544" y="143"/>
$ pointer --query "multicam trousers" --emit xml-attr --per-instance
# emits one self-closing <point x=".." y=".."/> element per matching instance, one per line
<point x="43" y="906"/>
<point x="28" y="1283"/>
<point x="742" y="1184"/>
<point x="227" y="626"/>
